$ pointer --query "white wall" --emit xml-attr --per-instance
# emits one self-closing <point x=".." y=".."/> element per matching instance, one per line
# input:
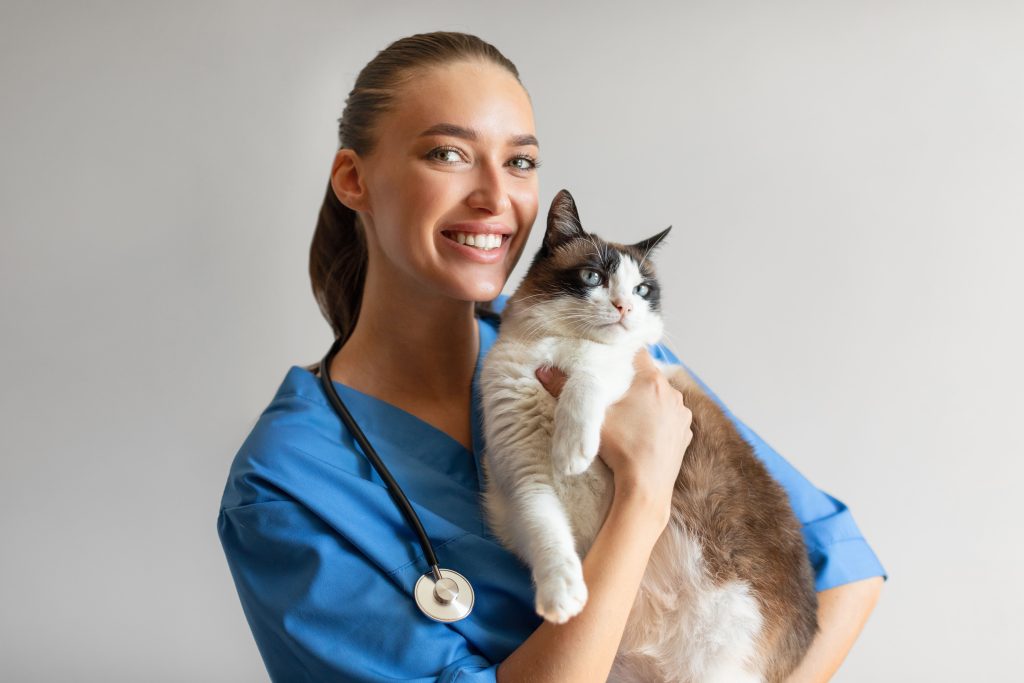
<point x="845" y="181"/>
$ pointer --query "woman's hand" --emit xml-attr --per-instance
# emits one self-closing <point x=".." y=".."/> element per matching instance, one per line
<point x="644" y="435"/>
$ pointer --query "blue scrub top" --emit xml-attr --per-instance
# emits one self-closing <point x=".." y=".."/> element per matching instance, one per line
<point x="324" y="563"/>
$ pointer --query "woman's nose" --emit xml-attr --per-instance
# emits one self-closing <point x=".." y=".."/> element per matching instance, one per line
<point x="490" y="192"/>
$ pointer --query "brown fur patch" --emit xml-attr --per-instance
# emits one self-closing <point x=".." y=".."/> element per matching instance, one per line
<point x="726" y="497"/>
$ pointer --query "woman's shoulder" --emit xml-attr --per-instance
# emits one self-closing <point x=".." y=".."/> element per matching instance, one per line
<point x="287" y="445"/>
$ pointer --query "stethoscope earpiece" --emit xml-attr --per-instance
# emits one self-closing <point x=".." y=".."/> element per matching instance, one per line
<point x="441" y="594"/>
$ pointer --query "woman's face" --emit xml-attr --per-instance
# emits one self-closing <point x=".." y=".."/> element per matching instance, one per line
<point x="455" y="155"/>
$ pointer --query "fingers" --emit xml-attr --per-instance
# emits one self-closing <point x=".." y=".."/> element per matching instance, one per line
<point x="647" y="371"/>
<point x="645" y="368"/>
<point x="643" y="362"/>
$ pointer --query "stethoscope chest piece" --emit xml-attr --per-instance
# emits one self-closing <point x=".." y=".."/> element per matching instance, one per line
<point x="448" y="599"/>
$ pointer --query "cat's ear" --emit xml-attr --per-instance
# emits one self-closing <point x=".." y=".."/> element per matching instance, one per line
<point x="563" y="221"/>
<point x="645" y="246"/>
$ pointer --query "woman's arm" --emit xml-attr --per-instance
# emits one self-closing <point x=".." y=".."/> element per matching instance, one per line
<point x="583" y="648"/>
<point x="842" y="613"/>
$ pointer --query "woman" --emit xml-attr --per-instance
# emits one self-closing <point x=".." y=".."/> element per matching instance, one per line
<point x="438" y="136"/>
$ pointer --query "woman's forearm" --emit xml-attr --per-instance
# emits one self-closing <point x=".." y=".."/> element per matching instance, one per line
<point x="583" y="648"/>
<point x="842" y="613"/>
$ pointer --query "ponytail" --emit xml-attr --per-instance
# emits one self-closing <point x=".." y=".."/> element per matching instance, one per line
<point x="337" y="264"/>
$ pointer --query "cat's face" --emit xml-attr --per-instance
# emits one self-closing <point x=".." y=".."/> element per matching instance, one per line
<point x="580" y="285"/>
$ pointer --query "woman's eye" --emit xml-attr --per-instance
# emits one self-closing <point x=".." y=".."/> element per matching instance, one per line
<point x="440" y="152"/>
<point x="590" y="277"/>
<point x="530" y="165"/>
<point x="642" y="290"/>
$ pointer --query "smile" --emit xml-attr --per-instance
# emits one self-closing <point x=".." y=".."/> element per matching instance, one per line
<point x="478" y="247"/>
<point x="477" y="240"/>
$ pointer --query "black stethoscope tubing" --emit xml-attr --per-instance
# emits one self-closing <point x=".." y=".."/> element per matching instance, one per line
<point x="394" y="489"/>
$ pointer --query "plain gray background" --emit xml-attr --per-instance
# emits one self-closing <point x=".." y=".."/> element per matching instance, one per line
<point x="846" y="186"/>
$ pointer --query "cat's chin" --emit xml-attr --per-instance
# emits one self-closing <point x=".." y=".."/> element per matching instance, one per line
<point x="615" y="333"/>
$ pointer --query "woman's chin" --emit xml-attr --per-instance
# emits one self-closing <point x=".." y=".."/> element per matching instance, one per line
<point x="486" y="291"/>
<point x="478" y="288"/>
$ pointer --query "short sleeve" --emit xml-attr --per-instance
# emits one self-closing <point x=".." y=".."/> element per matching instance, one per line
<point x="320" y="610"/>
<point x="837" y="550"/>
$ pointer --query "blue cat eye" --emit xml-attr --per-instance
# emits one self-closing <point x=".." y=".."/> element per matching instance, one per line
<point x="590" y="277"/>
<point x="642" y="290"/>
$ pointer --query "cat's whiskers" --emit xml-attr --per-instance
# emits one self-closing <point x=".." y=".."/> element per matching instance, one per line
<point x="529" y="308"/>
<point x="588" y="319"/>
<point x="534" y="325"/>
<point x="528" y="297"/>
<point x="598" y="252"/>
<point x="532" y="306"/>
<point x="585" y="321"/>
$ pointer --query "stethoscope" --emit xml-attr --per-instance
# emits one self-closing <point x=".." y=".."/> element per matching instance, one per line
<point x="441" y="594"/>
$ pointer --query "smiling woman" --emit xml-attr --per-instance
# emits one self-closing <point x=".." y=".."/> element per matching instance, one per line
<point x="457" y="154"/>
<point x="431" y="199"/>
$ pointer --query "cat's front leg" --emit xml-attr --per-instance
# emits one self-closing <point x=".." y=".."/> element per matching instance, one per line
<point x="561" y="590"/>
<point x="579" y="415"/>
<point x="550" y="548"/>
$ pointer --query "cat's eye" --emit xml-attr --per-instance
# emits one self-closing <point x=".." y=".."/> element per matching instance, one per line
<point x="590" y="278"/>
<point x="642" y="290"/>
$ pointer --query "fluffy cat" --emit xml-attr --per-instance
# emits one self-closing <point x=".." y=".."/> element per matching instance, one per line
<point x="728" y="594"/>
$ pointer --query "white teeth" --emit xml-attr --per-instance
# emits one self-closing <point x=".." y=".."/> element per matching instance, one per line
<point x="480" y="241"/>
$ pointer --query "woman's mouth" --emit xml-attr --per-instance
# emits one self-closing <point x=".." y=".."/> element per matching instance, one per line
<point x="477" y="240"/>
<point x="479" y="247"/>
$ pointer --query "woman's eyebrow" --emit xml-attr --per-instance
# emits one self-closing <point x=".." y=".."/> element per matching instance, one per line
<point x="470" y="134"/>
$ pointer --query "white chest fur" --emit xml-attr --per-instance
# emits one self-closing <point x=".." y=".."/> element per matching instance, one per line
<point x="541" y="462"/>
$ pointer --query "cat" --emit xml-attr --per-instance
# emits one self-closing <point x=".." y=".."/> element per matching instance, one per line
<point x="728" y="594"/>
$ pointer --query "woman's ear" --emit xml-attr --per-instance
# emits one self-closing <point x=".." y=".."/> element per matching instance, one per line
<point x="347" y="180"/>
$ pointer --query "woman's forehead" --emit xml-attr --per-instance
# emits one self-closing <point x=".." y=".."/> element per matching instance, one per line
<point x="485" y="101"/>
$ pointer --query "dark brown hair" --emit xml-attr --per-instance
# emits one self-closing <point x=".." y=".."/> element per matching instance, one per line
<point x="338" y="254"/>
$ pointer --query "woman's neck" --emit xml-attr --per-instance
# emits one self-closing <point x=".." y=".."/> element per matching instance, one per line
<point x="423" y="349"/>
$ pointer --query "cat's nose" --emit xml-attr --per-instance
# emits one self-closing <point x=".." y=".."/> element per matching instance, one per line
<point x="624" y="308"/>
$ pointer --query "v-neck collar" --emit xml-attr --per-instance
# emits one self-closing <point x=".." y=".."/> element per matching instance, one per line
<point x="486" y="335"/>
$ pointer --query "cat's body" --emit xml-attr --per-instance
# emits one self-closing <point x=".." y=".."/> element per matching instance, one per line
<point x="728" y="593"/>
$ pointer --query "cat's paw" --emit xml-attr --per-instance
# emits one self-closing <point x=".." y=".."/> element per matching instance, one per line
<point x="561" y="593"/>
<point x="573" y="449"/>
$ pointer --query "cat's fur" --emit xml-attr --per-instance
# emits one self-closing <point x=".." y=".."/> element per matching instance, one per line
<point x="728" y="594"/>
